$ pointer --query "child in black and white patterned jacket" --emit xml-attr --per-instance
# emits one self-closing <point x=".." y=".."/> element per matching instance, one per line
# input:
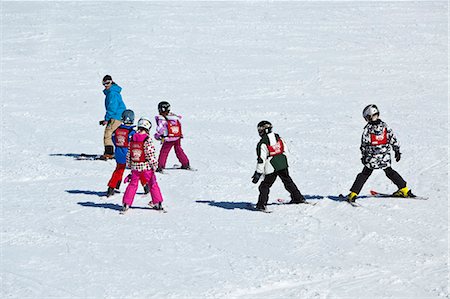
<point x="376" y="143"/>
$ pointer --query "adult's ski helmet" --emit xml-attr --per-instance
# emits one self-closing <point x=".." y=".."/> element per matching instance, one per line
<point x="144" y="123"/>
<point x="128" y="117"/>
<point x="264" y="127"/>
<point x="370" y="111"/>
<point x="163" y="106"/>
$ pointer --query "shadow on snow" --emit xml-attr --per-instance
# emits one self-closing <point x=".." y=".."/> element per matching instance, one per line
<point x="73" y="155"/>
<point x="242" y="205"/>
<point x="111" y="206"/>
<point x="88" y="192"/>
<point x="97" y="193"/>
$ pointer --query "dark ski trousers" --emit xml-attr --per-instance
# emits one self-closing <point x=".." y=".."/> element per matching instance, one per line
<point x="362" y="177"/>
<point x="269" y="179"/>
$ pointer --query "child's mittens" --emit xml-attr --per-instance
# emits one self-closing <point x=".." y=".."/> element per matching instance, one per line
<point x="398" y="155"/>
<point x="127" y="179"/>
<point x="364" y="159"/>
<point x="255" y="177"/>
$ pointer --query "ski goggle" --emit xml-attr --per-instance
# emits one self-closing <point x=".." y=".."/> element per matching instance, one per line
<point x="107" y="83"/>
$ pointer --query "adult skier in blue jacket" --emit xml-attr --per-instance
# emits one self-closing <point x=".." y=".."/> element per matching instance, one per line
<point x="114" y="108"/>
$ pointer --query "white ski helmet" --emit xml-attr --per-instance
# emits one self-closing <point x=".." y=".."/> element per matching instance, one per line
<point x="144" y="123"/>
<point x="370" y="111"/>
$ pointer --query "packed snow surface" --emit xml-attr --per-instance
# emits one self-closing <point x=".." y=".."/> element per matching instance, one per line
<point x="308" y="67"/>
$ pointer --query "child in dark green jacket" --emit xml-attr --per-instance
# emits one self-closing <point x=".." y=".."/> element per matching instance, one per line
<point x="272" y="162"/>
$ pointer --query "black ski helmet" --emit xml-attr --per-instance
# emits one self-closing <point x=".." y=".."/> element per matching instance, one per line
<point x="163" y="107"/>
<point x="264" y="127"/>
<point x="128" y="116"/>
<point x="369" y="111"/>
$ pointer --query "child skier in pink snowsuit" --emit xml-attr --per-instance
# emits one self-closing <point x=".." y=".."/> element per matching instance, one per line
<point x="169" y="132"/>
<point x="142" y="161"/>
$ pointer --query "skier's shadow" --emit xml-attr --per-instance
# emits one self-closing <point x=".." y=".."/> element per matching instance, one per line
<point x="228" y="205"/>
<point x="231" y="205"/>
<point x="97" y="193"/>
<point x="111" y="206"/>
<point x="87" y="192"/>
<point x="73" y="155"/>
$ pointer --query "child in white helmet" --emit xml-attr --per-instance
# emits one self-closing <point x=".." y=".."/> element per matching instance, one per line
<point x="376" y="143"/>
<point x="142" y="160"/>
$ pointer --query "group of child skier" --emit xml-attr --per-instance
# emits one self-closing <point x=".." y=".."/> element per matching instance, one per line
<point x="135" y="150"/>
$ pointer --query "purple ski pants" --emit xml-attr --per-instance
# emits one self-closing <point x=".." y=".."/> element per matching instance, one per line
<point x="165" y="149"/>
<point x="150" y="177"/>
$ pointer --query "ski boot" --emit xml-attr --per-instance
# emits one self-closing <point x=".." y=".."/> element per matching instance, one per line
<point x="260" y="208"/>
<point x="403" y="192"/>
<point x="124" y="209"/>
<point x="156" y="206"/>
<point x="105" y="157"/>
<point x="299" y="200"/>
<point x="110" y="192"/>
<point x="146" y="189"/>
<point x="187" y="167"/>
<point x="159" y="170"/>
<point x="351" y="197"/>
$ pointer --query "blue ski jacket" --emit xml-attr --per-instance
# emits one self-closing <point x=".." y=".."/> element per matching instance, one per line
<point x="113" y="103"/>
<point x="120" y="153"/>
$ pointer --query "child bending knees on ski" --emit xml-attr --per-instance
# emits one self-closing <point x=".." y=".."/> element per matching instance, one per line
<point x="272" y="162"/>
<point x="142" y="161"/>
<point x="168" y="130"/>
<point x="376" y="143"/>
<point x="121" y="138"/>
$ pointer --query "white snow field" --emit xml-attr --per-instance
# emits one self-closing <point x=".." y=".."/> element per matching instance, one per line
<point x="308" y="67"/>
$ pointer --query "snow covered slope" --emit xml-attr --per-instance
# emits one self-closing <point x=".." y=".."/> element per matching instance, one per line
<point x="308" y="67"/>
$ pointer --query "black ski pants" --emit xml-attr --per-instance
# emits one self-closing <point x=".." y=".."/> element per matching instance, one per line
<point x="269" y="179"/>
<point x="362" y="177"/>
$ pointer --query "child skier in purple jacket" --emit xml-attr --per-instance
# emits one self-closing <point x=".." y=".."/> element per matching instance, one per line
<point x="168" y="130"/>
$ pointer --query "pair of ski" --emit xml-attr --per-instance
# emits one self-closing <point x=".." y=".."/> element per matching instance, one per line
<point x="152" y="207"/>
<point x="377" y="194"/>
<point x="280" y="201"/>
<point x="176" y="167"/>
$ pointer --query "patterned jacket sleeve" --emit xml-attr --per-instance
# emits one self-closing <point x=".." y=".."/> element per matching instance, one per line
<point x="392" y="139"/>
<point x="161" y="127"/>
<point x="150" y="154"/>
<point x="128" y="158"/>
<point x="365" y="141"/>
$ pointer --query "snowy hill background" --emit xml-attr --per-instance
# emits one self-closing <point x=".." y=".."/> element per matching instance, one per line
<point x="308" y="67"/>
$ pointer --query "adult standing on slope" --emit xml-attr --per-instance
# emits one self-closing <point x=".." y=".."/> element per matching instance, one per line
<point x="114" y="108"/>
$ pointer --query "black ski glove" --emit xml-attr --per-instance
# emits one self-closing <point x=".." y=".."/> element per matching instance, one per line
<point x="398" y="155"/>
<point x="255" y="177"/>
<point x="364" y="160"/>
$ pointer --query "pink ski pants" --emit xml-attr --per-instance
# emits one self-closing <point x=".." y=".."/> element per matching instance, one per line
<point x="165" y="149"/>
<point x="150" y="177"/>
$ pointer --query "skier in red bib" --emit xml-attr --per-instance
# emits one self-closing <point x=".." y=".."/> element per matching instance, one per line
<point x="169" y="131"/>
<point x="121" y="139"/>
<point x="376" y="143"/>
<point x="141" y="159"/>
<point x="272" y="162"/>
